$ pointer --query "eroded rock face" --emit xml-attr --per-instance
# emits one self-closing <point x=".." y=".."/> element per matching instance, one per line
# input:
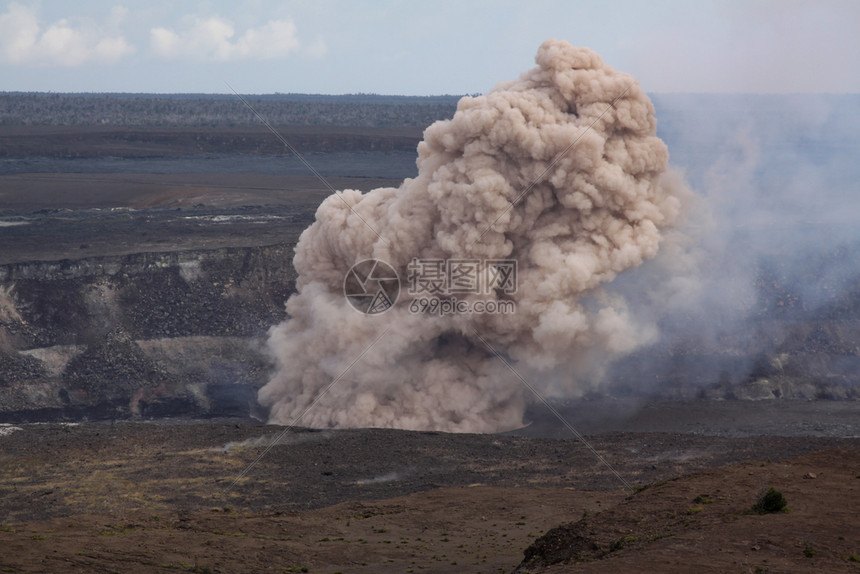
<point x="150" y="334"/>
<point x="230" y="291"/>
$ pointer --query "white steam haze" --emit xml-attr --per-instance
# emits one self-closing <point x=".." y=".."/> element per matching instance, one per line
<point x="602" y="208"/>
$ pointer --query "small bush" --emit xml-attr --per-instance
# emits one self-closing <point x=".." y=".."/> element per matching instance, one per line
<point x="620" y="543"/>
<point x="770" y="501"/>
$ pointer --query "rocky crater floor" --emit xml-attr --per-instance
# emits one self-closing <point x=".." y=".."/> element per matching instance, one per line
<point x="232" y="496"/>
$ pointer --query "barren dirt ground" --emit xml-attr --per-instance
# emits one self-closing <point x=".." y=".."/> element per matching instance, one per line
<point x="153" y="497"/>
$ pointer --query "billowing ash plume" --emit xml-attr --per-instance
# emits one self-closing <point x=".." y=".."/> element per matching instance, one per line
<point x="595" y="212"/>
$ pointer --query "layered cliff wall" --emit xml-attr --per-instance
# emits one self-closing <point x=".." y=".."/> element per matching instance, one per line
<point x="148" y="334"/>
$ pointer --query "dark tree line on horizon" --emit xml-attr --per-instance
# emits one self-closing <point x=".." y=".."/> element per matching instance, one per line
<point x="221" y="110"/>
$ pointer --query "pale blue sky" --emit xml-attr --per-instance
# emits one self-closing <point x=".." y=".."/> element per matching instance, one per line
<point x="421" y="47"/>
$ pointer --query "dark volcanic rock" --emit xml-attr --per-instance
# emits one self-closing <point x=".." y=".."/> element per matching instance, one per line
<point x="112" y="368"/>
<point x="561" y="544"/>
<point x="15" y="367"/>
<point x="220" y="292"/>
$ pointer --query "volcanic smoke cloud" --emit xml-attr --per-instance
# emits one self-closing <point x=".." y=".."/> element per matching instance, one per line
<point x="595" y="212"/>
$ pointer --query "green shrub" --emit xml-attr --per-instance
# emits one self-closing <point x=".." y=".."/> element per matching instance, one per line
<point x="770" y="501"/>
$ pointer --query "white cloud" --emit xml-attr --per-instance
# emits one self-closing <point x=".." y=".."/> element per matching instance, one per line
<point x="165" y="43"/>
<point x="216" y="39"/>
<point x="23" y="41"/>
<point x="111" y="50"/>
<point x="317" y="49"/>
<point x="19" y="32"/>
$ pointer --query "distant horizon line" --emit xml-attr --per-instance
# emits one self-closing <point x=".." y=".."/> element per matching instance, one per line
<point x="383" y="95"/>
